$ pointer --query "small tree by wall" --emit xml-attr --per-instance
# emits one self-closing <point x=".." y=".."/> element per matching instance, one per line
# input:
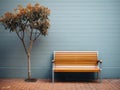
<point x="29" y="22"/>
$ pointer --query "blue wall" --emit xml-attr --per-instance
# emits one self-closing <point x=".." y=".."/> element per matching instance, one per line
<point x="75" y="25"/>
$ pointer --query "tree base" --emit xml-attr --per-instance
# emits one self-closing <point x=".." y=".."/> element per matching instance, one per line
<point x="31" y="80"/>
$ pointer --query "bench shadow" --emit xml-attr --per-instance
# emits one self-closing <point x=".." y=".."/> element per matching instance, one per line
<point x="75" y="77"/>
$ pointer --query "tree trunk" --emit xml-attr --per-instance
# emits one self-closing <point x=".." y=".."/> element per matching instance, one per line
<point x="28" y="53"/>
<point x="29" y="66"/>
<point x="29" y="63"/>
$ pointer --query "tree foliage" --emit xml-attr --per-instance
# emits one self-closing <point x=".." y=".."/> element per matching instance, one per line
<point x="27" y="19"/>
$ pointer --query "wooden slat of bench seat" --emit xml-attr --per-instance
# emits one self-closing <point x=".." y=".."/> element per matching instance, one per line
<point x="76" y="57"/>
<point x="75" y="64"/>
<point x="76" y="69"/>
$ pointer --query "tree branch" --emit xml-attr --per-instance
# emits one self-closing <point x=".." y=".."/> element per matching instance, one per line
<point x="25" y="48"/>
<point x="23" y="42"/>
<point x="36" y="36"/>
<point x="30" y="46"/>
<point x="31" y="34"/>
<point x="18" y="35"/>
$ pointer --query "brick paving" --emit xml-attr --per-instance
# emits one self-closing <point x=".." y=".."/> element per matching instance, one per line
<point x="20" y="84"/>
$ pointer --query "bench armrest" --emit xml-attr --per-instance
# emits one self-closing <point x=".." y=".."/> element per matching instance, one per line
<point x="100" y="64"/>
<point x="100" y="61"/>
<point x="53" y="61"/>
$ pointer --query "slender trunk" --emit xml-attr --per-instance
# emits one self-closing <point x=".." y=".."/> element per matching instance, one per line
<point x="28" y="53"/>
<point x="29" y="66"/>
<point x="29" y="60"/>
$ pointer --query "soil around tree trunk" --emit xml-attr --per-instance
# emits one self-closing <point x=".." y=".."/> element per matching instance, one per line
<point x="30" y="80"/>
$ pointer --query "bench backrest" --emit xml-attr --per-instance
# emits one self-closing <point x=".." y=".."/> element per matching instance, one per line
<point x="75" y="58"/>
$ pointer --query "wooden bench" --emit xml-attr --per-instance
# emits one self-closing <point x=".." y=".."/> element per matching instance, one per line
<point x="76" y="61"/>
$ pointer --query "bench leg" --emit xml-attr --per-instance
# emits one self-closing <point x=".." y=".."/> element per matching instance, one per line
<point x="52" y="76"/>
<point x="100" y="76"/>
<point x="97" y="75"/>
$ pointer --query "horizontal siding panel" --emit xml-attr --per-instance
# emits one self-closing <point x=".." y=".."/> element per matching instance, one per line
<point x="111" y="72"/>
<point x="37" y="72"/>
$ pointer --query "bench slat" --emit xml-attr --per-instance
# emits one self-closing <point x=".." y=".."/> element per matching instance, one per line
<point x="76" y="69"/>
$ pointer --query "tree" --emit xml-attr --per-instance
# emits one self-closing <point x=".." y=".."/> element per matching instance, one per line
<point x="29" y="22"/>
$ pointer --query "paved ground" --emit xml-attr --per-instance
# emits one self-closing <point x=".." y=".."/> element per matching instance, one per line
<point x="20" y="84"/>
